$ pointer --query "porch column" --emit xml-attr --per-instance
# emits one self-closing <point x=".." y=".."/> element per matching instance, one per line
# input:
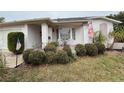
<point x="59" y="38"/>
<point x="71" y="34"/>
<point x="44" y="31"/>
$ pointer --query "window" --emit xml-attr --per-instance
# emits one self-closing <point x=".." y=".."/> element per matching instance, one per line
<point x="73" y="34"/>
<point x="65" y="34"/>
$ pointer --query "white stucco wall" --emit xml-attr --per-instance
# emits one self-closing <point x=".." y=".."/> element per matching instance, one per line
<point x="4" y="34"/>
<point x="34" y="37"/>
<point x="96" y="25"/>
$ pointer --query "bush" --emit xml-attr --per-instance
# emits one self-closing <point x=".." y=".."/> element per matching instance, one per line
<point x="12" y="41"/>
<point x="101" y="48"/>
<point x="56" y="44"/>
<point x="91" y="49"/>
<point x="26" y="55"/>
<point x="50" y="47"/>
<point x="50" y="57"/>
<point x="62" y="57"/>
<point x="118" y="34"/>
<point x="80" y="50"/>
<point x="68" y="50"/>
<point x="37" y="57"/>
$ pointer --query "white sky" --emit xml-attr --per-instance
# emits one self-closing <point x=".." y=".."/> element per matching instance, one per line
<point x="19" y="15"/>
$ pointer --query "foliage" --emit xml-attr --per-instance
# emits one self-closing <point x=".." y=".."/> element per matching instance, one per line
<point x="119" y="16"/>
<point x="68" y="50"/>
<point x="55" y="43"/>
<point x="2" y="19"/>
<point x="101" y="48"/>
<point x="62" y="57"/>
<point x="50" y="57"/>
<point x="118" y="34"/>
<point x="50" y="47"/>
<point x="12" y="41"/>
<point x="26" y="55"/>
<point x="99" y="38"/>
<point x="80" y="50"/>
<point x="85" y="69"/>
<point x="37" y="57"/>
<point x="91" y="49"/>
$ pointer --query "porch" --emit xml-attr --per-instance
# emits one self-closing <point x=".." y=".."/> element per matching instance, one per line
<point x="41" y="34"/>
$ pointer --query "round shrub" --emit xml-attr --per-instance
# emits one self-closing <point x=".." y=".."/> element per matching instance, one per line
<point x="91" y="49"/>
<point x="55" y="43"/>
<point x="50" y="47"/>
<point x="62" y="57"/>
<point x="13" y="37"/>
<point x="26" y="55"/>
<point x="50" y="57"/>
<point x="80" y="50"/>
<point x="68" y="50"/>
<point x="37" y="57"/>
<point x="101" y="48"/>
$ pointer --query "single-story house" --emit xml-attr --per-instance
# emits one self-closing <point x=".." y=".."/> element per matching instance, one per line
<point x="38" y="32"/>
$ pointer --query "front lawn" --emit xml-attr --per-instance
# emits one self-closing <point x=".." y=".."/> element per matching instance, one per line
<point x="107" y="67"/>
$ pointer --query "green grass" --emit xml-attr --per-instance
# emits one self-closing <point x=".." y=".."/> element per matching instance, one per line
<point x="107" y="67"/>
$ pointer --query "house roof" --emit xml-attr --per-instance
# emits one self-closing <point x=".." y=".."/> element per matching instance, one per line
<point x="36" y="20"/>
<point x="85" y="19"/>
<point x="59" y="20"/>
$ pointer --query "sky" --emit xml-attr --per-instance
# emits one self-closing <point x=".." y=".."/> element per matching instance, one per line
<point x="22" y="15"/>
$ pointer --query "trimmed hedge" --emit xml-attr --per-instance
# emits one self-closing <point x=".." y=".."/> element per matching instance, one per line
<point x="62" y="57"/>
<point x="80" y="50"/>
<point x="12" y="41"/>
<point x="101" y="48"/>
<point x="51" y="57"/>
<point x="50" y="47"/>
<point x="56" y="44"/>
<point x="68" y="50"/>
<point x="91" y="49"/>
<point x="37" y="57"/>
<point x="26" y="55"/>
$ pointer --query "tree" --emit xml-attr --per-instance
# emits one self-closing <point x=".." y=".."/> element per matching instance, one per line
<point x="119" y="16"/>
<point x="2" y="19"/>
<point x="118" y="32"/>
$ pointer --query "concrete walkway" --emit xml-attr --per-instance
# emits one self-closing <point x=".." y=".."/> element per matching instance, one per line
<point x="11" y="61"/>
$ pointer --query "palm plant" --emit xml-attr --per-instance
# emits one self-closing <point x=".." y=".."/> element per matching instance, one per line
<point x="99" y="38"/>
<point x="118" y="34"/>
